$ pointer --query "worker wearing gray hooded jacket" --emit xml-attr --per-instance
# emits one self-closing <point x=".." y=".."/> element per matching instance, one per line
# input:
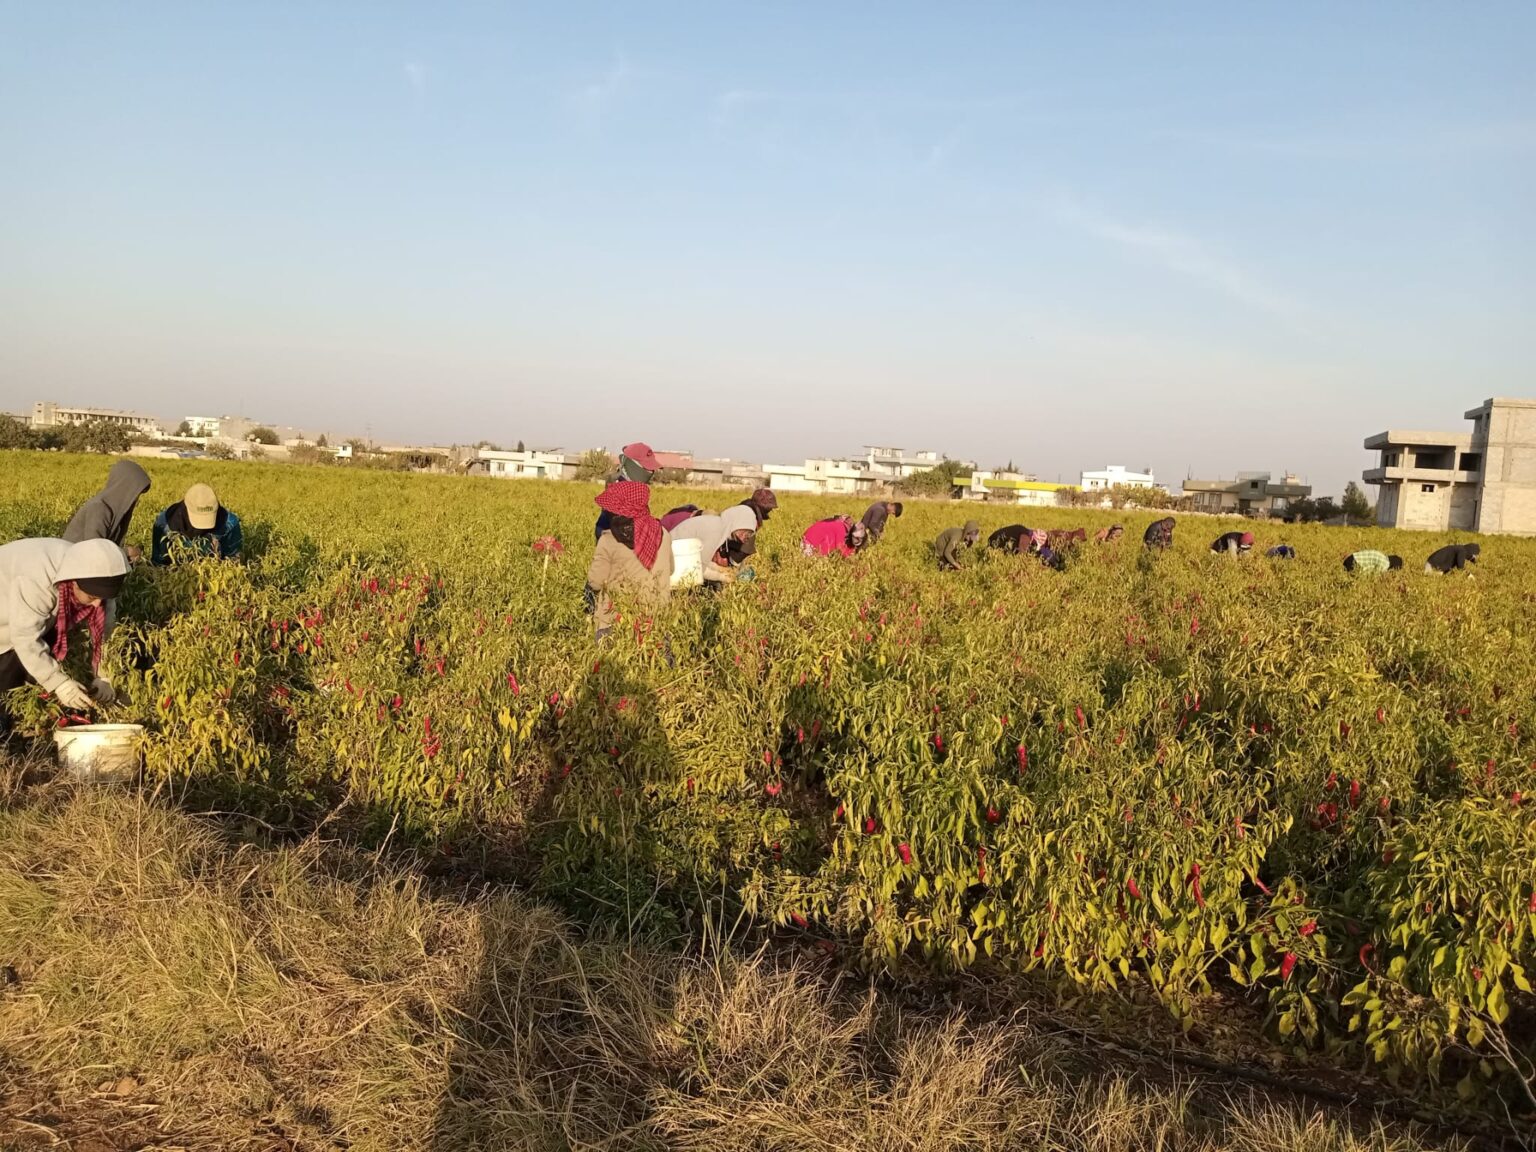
<point x="47" y="588"/>
<point x="106" y="515"/>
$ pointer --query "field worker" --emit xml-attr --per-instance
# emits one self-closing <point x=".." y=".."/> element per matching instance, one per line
<point x="47" y="588"/>
<point x="1281" y="552"/>
<point x="633" y="557"/>
<point x="725" y="541"/>
<point x="1159" y="534"/>
<point x="836" y="535"/>
<point x="1109" y="535"/>
<point x="682" y="512"/>
<point x="763" y="504"/>
<point x="1015" y="538"/>
<point x="875" y="516"/>
<point x="1452" y="558"/>
<point x="106" y="515"/>
<point x="1370" y="560"/>
<point x="199" y="523"/>
<point x="1233" y="543"/>
<point x="637" y="463"/>
<point x="947" y="547"/>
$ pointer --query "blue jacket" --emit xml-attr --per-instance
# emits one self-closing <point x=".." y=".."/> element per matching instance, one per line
<point x="223" y="540"/>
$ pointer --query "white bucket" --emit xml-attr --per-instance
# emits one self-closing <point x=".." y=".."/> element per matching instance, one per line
<point x="100" y="753"/>
<point x="687" y="563"/>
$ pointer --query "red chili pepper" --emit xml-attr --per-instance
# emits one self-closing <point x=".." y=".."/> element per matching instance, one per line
<point x="517" y="689"/>
<point x="841" y="811"/>
<point x="1131" y="887"/>
<point x="1081" y="719"/>
<point x="1354" y="793"/>
<point x="1308" y="928"/>
<point x="938" y="741"/>
<point x="1365" y="954"/>
<point x="1194" y="625"/>
<point x="871" y="825"/>
<point x="1515" y="798"/>
<point x="1023" y="758"/>
<point x="690" y="784"/>
<point x="1381" y="715"/>
<point x="798" y="920"/>
<point x="1344" y="729"/>
<point x="773" y="789"/>
<point x="993" y="816"/>
<point x="1287" y="966"/>
<point x="904" y="852"/>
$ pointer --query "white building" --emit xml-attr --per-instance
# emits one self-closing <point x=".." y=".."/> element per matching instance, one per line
<point x="47" y="414"/>
<point x="532" y="464"/>
<point x="888" y="465"/>
<point x="1116" y="476"/>
<point x="825" y="476"/>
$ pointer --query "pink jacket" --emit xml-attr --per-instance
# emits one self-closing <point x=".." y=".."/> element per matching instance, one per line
<point x="825" y="537"/>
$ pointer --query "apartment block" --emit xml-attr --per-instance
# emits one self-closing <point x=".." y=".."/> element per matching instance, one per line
<point x="1249" y="494"/>
<point x="1478" y="481"/>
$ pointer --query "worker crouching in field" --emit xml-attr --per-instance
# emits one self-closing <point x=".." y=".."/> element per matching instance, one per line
<point x="947" y="547"/>
<point x="1109" y="535"/>
<point x="1016" y="538"/>
<point x="725" y="542"/>
<point x="834" y="536"/>
<point x="1281" y="552"/>
<point x="1159" y="534"/>
<point x="632" y="558"/>
<point x="47" y="589"/>
<point x="196" y="525"/>
<point x="876" y="515"/>
<point x="1233" y="543"/>
<point x="106" y="515"/>
<point x="1371" y="561"/>
<point x="1452" y="558"/>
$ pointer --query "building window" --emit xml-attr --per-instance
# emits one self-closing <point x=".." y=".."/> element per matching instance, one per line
<point x="1426" y="487"/>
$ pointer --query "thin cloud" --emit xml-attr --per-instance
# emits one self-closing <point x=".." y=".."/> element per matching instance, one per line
<point x="596" y="96"/>
<point x="1389" y="141"/>
<point x="1185" y="255"/>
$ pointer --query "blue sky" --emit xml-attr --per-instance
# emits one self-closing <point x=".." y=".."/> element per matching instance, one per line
<point x="1197" y="236"/>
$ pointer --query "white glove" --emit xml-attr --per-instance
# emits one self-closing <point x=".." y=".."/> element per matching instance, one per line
<point x="74" y="697"/>
<point x="102" y="690"/>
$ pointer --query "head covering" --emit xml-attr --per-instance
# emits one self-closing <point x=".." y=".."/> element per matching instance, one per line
<point x="632" y="499"/>
<point x="763" y="503"/>
<point x="106" y="515"/>
<point x="98" y="567"/>
<point x="641" y="454"/>
<point x="202" y="507"/>
<point x="858" y="535"/>
<point x="1246" y="540"/>
<point x="971" y="531"/>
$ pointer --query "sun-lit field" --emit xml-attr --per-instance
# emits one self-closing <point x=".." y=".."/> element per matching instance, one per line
<point x="1178" y="777"/>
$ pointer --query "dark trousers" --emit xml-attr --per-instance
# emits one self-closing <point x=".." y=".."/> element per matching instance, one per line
<point x="12" y="675"/>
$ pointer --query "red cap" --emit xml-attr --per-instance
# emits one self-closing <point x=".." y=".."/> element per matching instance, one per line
<point x="642" y="455"/>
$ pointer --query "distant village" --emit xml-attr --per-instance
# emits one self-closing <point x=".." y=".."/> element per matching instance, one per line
<point x="1482" y="480"/>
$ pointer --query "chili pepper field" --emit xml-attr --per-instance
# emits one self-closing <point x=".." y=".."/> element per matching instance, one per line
<point x="1179" y="777"/>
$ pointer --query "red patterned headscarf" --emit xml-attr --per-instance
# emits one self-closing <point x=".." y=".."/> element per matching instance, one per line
<point x="71" y="613"/>
<point x="633" y="499"/>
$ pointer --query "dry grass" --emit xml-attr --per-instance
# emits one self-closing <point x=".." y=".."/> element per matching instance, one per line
<point x="174" y="989"/>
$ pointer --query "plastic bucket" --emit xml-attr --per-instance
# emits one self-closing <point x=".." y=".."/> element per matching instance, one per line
<point x="100" y="753"/>
<point x="687" y="563"/>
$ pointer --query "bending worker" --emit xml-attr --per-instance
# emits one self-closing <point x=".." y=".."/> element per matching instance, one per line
<point x="1233" y="543"/>
<point x="632" y="558"/>
<point x="947" y="547"/>
<point x="48" y="588"/>
<point x="198" y="523"/>
<point x="106" y="515"/>
<point x="725" y="541"/>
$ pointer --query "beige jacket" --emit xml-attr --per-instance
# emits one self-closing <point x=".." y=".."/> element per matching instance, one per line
<point x="616" y="571"/>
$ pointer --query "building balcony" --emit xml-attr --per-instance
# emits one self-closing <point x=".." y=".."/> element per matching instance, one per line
<point x="1399" y="475"/>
